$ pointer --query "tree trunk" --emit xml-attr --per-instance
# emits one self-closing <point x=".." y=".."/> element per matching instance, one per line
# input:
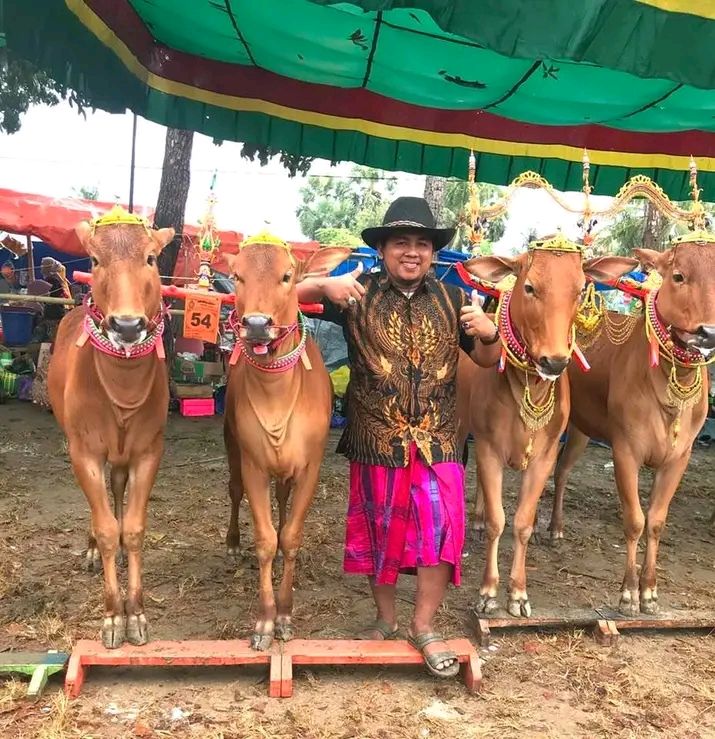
<point x="655" y="227"/>
<point x="173" y="193"/>
<point x="434" y="195"/>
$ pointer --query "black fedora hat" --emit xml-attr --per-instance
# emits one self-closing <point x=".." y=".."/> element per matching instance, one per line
<point x="408" y="214"/>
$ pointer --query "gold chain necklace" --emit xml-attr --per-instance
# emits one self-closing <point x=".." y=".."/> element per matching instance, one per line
<point x="534" y="416"/>
<point x="681" y="397"/>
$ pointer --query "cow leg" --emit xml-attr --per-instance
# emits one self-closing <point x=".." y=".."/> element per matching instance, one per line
<point x="574" y="446"/>
<point x="282" y="494"/>
<point x="479" y="511"/>
<point x="626" y="471"/>
<point x="489" y="476"/>
<point x="141" y="480"/>
<point x="90" y="477"/>
<point x="92" y="558"/>
<point x="666" y="481"/>
<point x="235" y="492"/>
<point x="533" y="481"/>
<point x="291" y="539"/>
<point x="257" y="486"/>
<point x="118" y="481"/>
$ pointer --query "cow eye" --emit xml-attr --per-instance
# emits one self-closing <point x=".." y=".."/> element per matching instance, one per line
<point x="678" y="277"/>
<point x="95" y="262"/>
<point x="529" y="289"/>
<point x="287" y="277"/>
<point x="151" y="260"/>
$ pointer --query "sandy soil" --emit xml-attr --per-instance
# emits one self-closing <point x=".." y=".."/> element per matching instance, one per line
<point x="534" y="684"/>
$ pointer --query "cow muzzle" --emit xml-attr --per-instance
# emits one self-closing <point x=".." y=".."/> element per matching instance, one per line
<point x="702" y="340"/>
<point x="550" y="368"/>
<point x="256" y="328"/>
<point x="127" y="330"/>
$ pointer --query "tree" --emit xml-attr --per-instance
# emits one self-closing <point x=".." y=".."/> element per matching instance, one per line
<point x="434" y="194"/>
<point x="351" y="204"/>
<point x="454" y="213"/>
<point x="294" y="163"/>
<point x="173" y="193"/>
<point x="87" y="192"/>
<point x="22" y="85"/>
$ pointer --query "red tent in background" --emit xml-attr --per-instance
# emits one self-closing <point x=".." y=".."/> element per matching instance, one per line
<point x="52" y="220"/>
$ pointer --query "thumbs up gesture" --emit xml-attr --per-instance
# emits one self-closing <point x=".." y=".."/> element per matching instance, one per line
<point x="475" y="321"/>
<point x="345" y="290"/>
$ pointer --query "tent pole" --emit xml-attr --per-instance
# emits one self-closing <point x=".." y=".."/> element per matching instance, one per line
<point x="131" y="167"/>
<point x="30" y="258"/>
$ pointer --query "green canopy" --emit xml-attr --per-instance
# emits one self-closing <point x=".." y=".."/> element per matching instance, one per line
<point x="408" y="85"/>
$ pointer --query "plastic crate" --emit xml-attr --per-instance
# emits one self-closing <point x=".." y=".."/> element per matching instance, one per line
<point x="196" y="406"/>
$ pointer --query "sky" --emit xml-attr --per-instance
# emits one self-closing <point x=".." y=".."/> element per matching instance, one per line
<point x="57" y="151"/>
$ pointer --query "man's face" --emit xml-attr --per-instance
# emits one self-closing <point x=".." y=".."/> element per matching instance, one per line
<point x="407" y="258"/>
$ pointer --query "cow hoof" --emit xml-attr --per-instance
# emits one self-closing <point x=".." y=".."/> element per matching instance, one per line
<point x="113" y="632"/>
<point x="261" y="642"/>
<point x="93" y="560"/>
<point x="487" y="604"/>
<point x="519" y="608"/>
<point x="285" y="631"/>
<point x="557" y="539"/>
<point x="628" y="606"/>
<point x="137" y="630"/>
<point x="233" y="553"/>
<point x="650" y="606"/>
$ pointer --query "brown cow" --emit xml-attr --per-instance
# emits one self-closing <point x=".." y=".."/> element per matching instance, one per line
<point x="278" y="409"/>
<point x="637" y="408"/>
<point x="108" y="388"/>
<point x="518" y="415"/>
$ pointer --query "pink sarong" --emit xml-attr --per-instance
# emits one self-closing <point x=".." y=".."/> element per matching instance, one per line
<point x="401" y="518"/>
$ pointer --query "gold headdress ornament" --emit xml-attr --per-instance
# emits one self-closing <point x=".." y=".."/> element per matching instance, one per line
<point x="118" y="216"/>
<point x="264" y="237"/>
<point x="699" y="236"/>
<point x="556" y="243"/>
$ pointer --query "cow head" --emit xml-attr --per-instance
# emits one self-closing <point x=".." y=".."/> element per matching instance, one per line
<point x="686" y="299"/>
<point x="265" y="277"/>
<point x="126" y="286"/>
<point x="546" y="296"/>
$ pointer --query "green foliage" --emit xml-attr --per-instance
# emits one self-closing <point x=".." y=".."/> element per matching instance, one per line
<point x="87" y="192"/>
<point x="456" y="200"/>
<point x="293" y="163"/>
<point x="22" y="85"/>
<point x="337" y="236"/>
<point x="351" y="204"/>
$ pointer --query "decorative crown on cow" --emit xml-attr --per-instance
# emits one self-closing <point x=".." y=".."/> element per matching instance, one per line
<point x="556" y="243"/>
<point x="118" y="216"/>
<point x="265" y="237"/>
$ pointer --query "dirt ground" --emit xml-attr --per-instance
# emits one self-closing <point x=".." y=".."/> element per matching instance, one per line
<point x="534" y="684"/>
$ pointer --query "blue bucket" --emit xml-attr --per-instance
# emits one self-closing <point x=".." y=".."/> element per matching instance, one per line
<point x="17" y="324"/>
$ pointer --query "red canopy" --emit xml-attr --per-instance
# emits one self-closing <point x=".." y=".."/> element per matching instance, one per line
<point x="53" y="221"/>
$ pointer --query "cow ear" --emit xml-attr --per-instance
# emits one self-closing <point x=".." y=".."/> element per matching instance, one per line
<point x="651" y="259"/>
<point x="84" y="233"/>
<point x="231" y="262"/>
<point x="492" y="268"/>
<point x="322" y="262"/>
<point x="607" y="269"/>
<point x="162" y="237"/>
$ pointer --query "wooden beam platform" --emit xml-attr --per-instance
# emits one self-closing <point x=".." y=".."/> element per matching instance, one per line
<point x="38" y="665"/>
<point x="604" y="623"/>
<point x="279" y="659"/>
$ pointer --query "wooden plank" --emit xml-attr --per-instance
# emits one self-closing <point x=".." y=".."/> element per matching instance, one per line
<point x="8" y="660"/>
<point x="75" y="676"/>
<point x="38" y="681"/>
<point x="366" y="652"/>
<point x="473" y="673"/>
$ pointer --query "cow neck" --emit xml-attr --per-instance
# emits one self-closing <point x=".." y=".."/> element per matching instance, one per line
<point x="273" y="394"/>
<point x="127" y="385"/>
<point x="534" y="397"/>
<point x="682" y="368"/>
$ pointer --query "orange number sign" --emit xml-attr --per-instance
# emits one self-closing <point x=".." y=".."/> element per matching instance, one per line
<point x="201" y="317"/>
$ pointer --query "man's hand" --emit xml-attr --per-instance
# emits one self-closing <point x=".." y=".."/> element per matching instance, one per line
<point x="345" y="290"/>
<point x="475" y="321"/>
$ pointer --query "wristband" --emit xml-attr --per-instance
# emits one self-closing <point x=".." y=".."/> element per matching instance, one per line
<point x="493" y="340"/>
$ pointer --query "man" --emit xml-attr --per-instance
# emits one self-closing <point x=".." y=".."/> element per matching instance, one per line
<point x="406" y="509"/>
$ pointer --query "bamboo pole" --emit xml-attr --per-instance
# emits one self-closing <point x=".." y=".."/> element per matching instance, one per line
<point x="30" y="258"/>
<point x="14" y="298"/>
